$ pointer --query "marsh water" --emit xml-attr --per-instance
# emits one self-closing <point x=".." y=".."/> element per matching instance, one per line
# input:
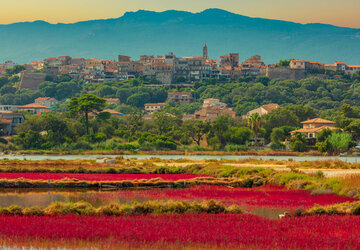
<point x="44" y="197"/>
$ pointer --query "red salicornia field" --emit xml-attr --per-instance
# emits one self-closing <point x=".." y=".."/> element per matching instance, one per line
<point x="171" y="214"/>
<point x="95" y="177"/>
<point x="268" y="196"/>
<point x="200" y="231"/>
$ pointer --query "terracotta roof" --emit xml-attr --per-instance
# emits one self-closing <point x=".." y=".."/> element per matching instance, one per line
<point x="33" y="105"/>
<point x="111" y="99"/>
<point x="313" y="130"/>
<point x="340" y="62"/>
<point x="180" y="93"/>
<point x="194" y="58"/>
<point x="36" y="63"/>
<point x="51" y="58"/>
<point x="317" y="120"/>
<point x="5" y="121"/>
<point x="270" y="107"/>
<point x="211" y="99"/>
<point x="113" y="112"/>
<point x="155" y="104"/>
<point x="6" y="112"/>
<point x="44" y="99"/>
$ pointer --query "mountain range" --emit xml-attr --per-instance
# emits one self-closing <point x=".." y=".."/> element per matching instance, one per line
<point x="184" y="33"/>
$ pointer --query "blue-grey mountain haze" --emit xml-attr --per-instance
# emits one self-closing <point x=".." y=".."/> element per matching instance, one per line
<point x="184" y="33"/>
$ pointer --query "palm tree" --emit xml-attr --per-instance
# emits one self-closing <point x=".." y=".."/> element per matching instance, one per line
<point x="254" y="123"/>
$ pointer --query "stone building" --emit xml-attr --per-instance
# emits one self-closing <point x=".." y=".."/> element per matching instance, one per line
<point x="180" y="97"/>
<point x="263" y="110"/>
<point x="8" y="121"/>
<point x="231" y="60"/>
<point x="152" y="107"/>
<point x="211" y="109"/>
<point x="47" y="101"/>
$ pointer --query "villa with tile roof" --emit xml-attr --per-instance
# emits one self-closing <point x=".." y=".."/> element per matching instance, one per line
<point x="312" y="127"/>
<point x="35" y="108"/>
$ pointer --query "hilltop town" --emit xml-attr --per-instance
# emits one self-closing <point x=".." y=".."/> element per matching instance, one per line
<point x="170" y="102"/>
<point x="169" y="69"/>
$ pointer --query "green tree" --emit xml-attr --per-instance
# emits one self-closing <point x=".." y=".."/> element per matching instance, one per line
<point x="64" y="78"/>
<point x="86" y="104"/>
<point x="15" y="70"/>
<point x="138" y="99"/>
<point x="29" y="140"/>
<point x="277" y="135"/>
<point x="220" y="126"/>
<point x="104" y="91"/>
<point x="196" y="129"/>
<point x="340" y="141"/>
<point x="166" y="123"/>
<point x="298" y="142"/>
<point x="354" y="128"/>
<point x="254" y="123"/>
<point x="238" y="135"/>
<point x="134" y="122"/>
<point x="3" y="81"/>
<point x="323" y="135"/>
<point x="285" y="62"/>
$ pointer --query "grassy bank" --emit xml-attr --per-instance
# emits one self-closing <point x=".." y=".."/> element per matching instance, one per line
<point x="139" y="183"/>
<point x="115" y="209"/>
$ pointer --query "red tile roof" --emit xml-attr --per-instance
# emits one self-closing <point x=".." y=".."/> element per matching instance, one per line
<point x="5" y="121"/>
<point x="51" y="58"/>
<point x="318" y="120"/>
<point x="34" y="105"/>
<point x="44" y="99"/>
<point x="155" y="104"/>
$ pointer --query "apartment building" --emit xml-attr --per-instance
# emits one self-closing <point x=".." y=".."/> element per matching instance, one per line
<point x="153" y="107"/>
<point x="180" y="97"/>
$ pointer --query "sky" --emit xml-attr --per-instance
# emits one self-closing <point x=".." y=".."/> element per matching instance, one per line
<point x="337" y="12"/>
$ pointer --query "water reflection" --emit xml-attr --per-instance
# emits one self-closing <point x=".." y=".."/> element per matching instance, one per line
<point x="44" y="197"/>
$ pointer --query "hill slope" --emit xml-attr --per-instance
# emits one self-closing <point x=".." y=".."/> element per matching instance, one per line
<point x="184" y="33"/>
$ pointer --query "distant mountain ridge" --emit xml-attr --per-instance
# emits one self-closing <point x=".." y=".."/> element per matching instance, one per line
<point x="184" y="33"/>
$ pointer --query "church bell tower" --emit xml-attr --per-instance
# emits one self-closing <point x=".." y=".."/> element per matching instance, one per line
<point x="205" y="53"/>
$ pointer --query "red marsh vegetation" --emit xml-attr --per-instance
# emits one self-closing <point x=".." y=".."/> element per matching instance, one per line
<point x="190" y="230"/>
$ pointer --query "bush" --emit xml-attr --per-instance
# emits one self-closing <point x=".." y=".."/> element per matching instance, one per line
<point x="33" y="211"/>
<point x="298" y="142"/>
<point x="288" y="177"/>
<point x="277" y="146"/>
<point x="232" y="148"/>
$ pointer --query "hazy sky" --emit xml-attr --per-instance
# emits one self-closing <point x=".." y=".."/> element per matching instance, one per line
<point x="337" y="12"/>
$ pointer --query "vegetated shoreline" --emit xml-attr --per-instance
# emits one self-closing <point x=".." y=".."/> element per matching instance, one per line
<point x="139" y="183"/>
<point x="171" y="152"/>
